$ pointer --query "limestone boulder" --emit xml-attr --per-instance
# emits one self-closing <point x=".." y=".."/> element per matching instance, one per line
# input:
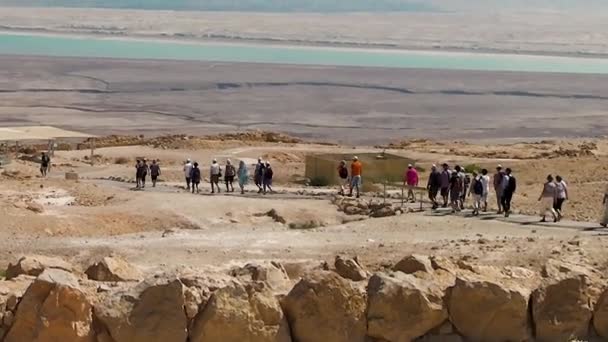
<point x="600" y="316"/>
<point x="350" y="268"/>
<point x="34" y="265"/>
<point x="562" y="309"/>
<point x="154" y="311"/>
<point x="402" y="307"/>
<point x="54" y="308"/>
<point x="271" y="273"/>
<point x="326" y="307"/>
<point x="113" y="268"/>
<point x="492" y="307"/>
<point x="241" y="314"/>
<point x="414" y="263"/>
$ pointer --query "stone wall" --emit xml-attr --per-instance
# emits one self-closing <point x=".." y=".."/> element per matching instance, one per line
<point x="420" y="298"/>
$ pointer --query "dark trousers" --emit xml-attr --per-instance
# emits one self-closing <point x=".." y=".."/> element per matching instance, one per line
<point x="507" y="196"/>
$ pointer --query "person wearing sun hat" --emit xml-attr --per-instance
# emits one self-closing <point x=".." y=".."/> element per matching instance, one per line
<point x="356" y="169"/>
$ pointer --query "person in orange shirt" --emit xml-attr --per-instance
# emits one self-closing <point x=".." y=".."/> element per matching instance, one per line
<point x="355" y="173"/>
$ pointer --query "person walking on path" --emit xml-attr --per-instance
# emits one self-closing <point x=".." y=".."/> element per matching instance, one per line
<point x="509" y="187"/>
<point x="476" y="190"/>
<point x="258" y="176"/>
<point x="229" y="175"/>
<point x="433" y="186"/>
<point x="456" y="187"/>
<point x="154" y="172"/>
<point x="445" y="184"/>
<point x="195" y="177"/>
<point x="464" y="185"/>
<point x="485" y="181"/>
<point x="45" y="164"/>
<point x="343" y="174"/>
<point x="138" y="174"/>
<point x="188" y="172"/>
<point x="411" y="180"/>
<point x="356" y="169"/>
<point x="604" y="219"/>
<point x="499" y="188"/>
<point x="215" y="173"/>
<point x="547" y="199"/>
<point x="268" y="174"/>
<point x="243" y="175"/>
<point x="562" y="196"/>
<point x="144" y="172"/>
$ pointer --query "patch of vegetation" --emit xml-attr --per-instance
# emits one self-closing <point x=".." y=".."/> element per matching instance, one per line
<point x="472" y="168"/>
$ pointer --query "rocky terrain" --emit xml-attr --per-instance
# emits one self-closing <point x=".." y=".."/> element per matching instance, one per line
<point x="418" y="298"/>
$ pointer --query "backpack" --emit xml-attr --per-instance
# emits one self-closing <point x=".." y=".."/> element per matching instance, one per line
<point x="230" y="171"/>
<point x="343" y="172"/>
<point x="478" y="187"/>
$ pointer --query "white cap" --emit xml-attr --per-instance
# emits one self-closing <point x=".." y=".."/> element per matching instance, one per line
<point x="355" y="158"/>
<point x="188" y="160"/>
<point x="410" y="165"/>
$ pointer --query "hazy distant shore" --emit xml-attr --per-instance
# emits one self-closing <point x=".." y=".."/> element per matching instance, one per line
<point x="424" y="31"/>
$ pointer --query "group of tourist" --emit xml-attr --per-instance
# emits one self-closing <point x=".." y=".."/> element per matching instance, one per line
<point x="262" y="177"/>
<point x="142" y="169"/>
<point x="352" y="181"/>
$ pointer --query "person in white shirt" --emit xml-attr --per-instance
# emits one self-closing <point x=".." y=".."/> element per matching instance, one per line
<point x="215" y="173"/>
<point x="485" y="181"/>
<point x="547" y="199"/>
<point x="562" y="196"/>
<point x="187" y="171"/>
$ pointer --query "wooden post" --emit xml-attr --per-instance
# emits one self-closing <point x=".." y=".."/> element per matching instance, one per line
<point x="385" y="191"/>
<point x="402" y="195"/>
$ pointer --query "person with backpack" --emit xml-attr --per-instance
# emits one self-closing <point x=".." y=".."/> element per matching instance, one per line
<point x="215" y="173"/>
<point x="154" y="172"/>
<point x="510" y="185"/>
<point x="476" y="190"/>
<point x="195" y="177"/>
<point x="446" y="176"/>
<point x="258" y="175"/>
<point x="138" y="174"/>
<point x="268" y="174"/>
<point x="456" y="187"/>
<point x="547" y="199"/>
<point x="229" y="176"/>
<point x="343" y="174"/>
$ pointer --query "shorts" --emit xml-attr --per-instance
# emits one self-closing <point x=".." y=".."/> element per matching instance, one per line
<point x="559" y="203"/>
<point x="433" y="192"/>
<point x="154" y="177"/>
<point x="229" y="179"/>
<point x="484" y="197"/>
<point x="356" y="181"/>
<point x="445" y="191"/>
<point x="411" y="187"/>
<point x="215" y="178"/>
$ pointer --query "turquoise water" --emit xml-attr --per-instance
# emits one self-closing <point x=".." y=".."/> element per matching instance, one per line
<point x="150" y="49"/>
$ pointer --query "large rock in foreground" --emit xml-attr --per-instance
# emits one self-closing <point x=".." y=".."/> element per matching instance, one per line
<point x="53" y="308"/>
<point x="239" y="314"/>
<point x="325" y="307"/>
<point x="34" y="265"/>
<point x="402" y="308"/>
<point x="493" y="306"/>
<point x="113" y="268"/>
<point x="561" y="309"/>
<point x="153" y="312"/>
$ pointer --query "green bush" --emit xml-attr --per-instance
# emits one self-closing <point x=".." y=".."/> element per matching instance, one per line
<point x="472" y="168"/>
